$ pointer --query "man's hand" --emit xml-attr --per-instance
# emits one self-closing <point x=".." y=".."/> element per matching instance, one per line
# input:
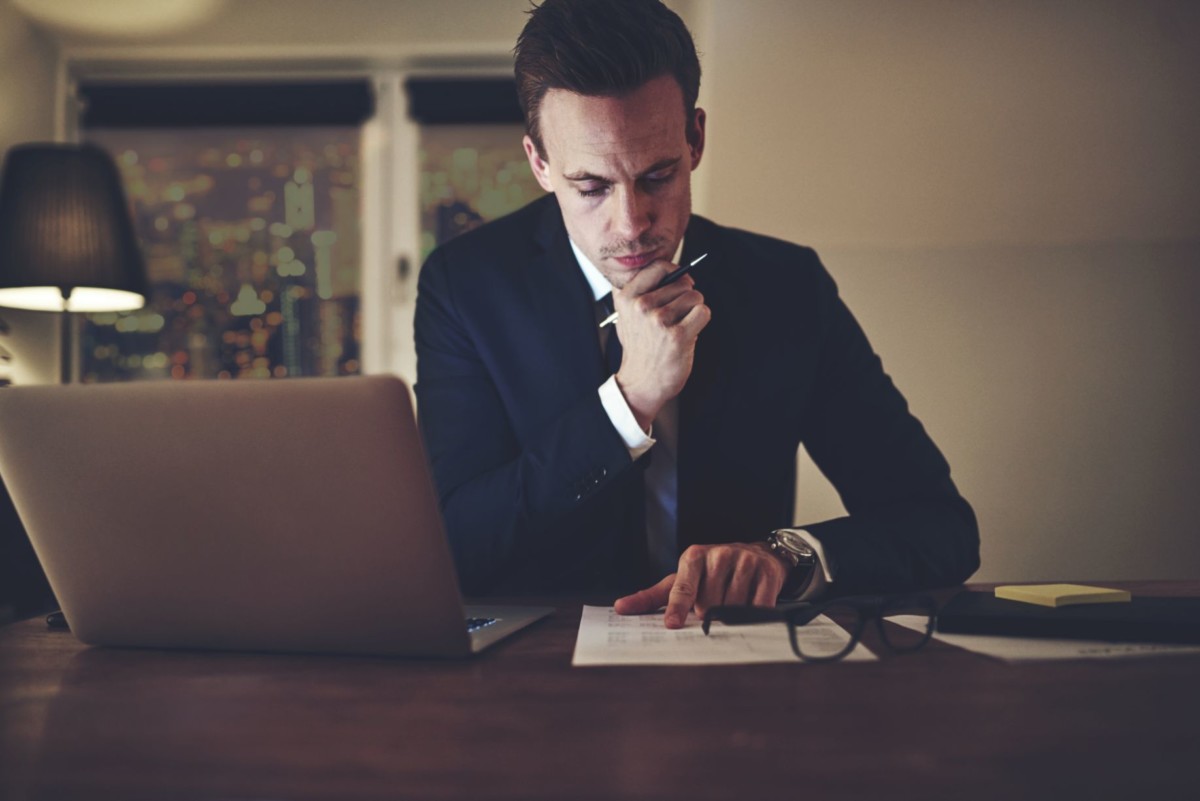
<point x="658" y="330"/>
<point x="712" y="575"/>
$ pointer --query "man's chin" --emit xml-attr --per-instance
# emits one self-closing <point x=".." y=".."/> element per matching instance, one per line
<point x="617" y="281"/>
<point x="619" y="270"/>
<point x="620" y="276"/>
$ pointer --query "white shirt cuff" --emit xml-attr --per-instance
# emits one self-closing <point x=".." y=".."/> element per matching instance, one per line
<point x="636" y="440"/>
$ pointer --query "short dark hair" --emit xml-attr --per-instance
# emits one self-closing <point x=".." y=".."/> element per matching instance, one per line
<point x="601" y="48"/>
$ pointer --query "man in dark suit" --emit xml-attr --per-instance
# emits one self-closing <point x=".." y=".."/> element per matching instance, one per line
<point x="658" y="454"/>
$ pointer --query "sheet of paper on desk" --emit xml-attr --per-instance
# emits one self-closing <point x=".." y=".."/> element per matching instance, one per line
<point x="606" y="638"/>
<point x="1032" y="649"/>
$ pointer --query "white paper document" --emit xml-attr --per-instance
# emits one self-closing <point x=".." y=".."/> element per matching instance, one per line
<point x="1030" y="649"/>
<point x="606" y="638"/>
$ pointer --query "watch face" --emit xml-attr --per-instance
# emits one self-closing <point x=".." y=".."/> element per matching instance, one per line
<point x="795" y="543"/>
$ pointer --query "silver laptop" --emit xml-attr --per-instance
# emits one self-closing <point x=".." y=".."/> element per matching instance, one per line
<point x="282" y="515"/>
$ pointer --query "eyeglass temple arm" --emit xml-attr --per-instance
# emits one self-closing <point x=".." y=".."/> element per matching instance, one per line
<point x="740" y="615"/>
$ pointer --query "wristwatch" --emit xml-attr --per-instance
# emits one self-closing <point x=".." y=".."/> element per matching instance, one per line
<point x="791" y="548"/>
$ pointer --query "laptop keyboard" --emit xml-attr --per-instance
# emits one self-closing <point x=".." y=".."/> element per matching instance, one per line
<point x="474" y="624"/>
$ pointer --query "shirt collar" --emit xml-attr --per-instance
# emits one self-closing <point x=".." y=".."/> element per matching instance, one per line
<point x="596" y="280"/>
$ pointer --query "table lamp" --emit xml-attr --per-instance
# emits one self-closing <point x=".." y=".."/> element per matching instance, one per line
<point x="66" y="237"/>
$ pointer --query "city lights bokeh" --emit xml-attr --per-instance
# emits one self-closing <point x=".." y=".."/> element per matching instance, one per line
<point x="253" y="248"/>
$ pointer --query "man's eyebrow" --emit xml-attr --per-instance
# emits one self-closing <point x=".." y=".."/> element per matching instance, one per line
<point x="661" y="164"/>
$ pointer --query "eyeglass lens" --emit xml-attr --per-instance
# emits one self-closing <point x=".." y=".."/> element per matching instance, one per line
<point x="906" y="623"/>
<point x="828" y="638"/>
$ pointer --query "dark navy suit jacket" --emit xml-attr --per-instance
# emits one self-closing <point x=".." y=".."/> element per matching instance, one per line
<point x="537" y="488"/>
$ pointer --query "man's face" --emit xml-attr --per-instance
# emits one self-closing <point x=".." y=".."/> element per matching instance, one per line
<point x="621" y="168"/>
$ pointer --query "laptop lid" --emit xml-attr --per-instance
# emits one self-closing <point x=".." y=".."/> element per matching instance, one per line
<point x="282" y="515"/>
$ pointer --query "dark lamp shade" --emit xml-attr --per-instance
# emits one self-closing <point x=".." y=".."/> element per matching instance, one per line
<point x="65" y="225"/>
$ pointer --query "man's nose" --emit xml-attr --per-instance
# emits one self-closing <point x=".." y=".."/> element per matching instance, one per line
<point x="633" y="215"/>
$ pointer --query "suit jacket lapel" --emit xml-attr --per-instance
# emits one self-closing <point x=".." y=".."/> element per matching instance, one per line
<point x="563" y="309"/>
<point x="703" y="390"/>
<point x="704" y="402"/>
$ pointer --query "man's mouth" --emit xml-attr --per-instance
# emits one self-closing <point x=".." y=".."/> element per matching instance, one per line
<point x="636" y="261"/>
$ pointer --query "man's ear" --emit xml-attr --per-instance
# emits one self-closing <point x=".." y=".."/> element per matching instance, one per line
<point x="696" y="137"/>
<point x="540" y="167"/>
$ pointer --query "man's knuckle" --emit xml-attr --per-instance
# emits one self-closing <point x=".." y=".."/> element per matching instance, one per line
<point x="717" y="558"/>
<point x="683" y="588"/>
<point x="740" y="580"/>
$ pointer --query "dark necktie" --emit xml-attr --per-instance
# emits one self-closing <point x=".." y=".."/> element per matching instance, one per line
<point x="612" y="350"/>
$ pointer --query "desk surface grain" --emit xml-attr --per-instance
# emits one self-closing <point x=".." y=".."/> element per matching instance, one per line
<point x="519" y="722"/>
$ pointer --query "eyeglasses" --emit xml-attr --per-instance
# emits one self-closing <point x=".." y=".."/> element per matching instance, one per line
<point x="815" y="639"/>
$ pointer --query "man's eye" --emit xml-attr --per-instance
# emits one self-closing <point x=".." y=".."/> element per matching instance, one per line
<point x="594" y="191"/>
<point x="658" y="179"/>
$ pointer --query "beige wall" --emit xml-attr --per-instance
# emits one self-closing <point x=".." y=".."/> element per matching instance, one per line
<point x="935" y="123"/>
<point x="1008" y="195"/>
<point x="27" y="66"/>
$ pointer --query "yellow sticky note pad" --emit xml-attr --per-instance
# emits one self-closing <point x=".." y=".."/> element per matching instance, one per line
<point x="1061" y="594"/>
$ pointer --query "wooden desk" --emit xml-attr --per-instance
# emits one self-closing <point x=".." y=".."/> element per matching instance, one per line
<point x="521" y="723"/>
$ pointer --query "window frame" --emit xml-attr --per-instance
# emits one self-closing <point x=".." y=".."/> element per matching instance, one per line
<point x="390" y="201"/>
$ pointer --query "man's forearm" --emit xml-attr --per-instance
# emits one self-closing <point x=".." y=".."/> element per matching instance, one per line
<point x="502" y="505"/>
<point x="903" y="546"/>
